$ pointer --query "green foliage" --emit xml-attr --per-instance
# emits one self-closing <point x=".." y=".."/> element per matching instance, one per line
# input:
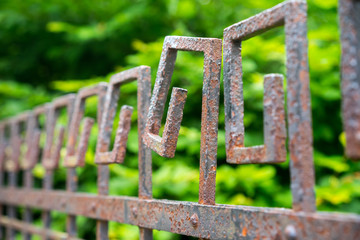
<point x="50" y="48"/>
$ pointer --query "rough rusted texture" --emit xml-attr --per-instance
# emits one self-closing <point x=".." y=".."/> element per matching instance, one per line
<point x="1" y="204"/>
<point x="71" y="186"/>
<point x="3" y="144"/>
<point x="165" y="146"/>
<point x="13" y="149"/>
<point x="214" y="222"/>
<point x="51" y="152"/>
<point x="274" y="150"/>
<point x="31" y="229"/>
<point x="32" y="139"/>
<point x="350" y="74"/>
<point x="293" y="15"/>
<point x="211" y="48"/>
<point x="142" y="75"/>
<point x="117" y="155"/>
<point x="204" y="220"/>
<point x="76" y="156"/>
<point x="28" y="183"/>
<point x="47" y="186"/>
<point x="30" y="159"/>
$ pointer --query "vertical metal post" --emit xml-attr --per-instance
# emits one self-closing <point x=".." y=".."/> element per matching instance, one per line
<point x="51" y="151"/>
<point x="71" y="186"/>
<point x="102" y="227"/>
<point x="293" y="15"/>
<point x="28" y="181"/>
<point x="166" y="145"/>
<point x="12" y="165"/>
<point x="30" y="159"/>
<point x="11" y="210"/>
<point x="76" y="157"/>
<point x="299" y="108"/>
<point x="103" y="156"/>
<point x="350" y="74"/>
<point x="2" y="159"/>
<point x="47" y="185"/>
<point x="144" y="155"/>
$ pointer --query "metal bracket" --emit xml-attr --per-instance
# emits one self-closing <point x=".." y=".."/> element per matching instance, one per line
<point x="76" y="156"/>
<point x="51" y="152"/>
<point x="292" y="14"/>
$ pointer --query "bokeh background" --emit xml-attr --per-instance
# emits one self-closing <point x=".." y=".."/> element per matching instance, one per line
<point x="50" y="48"/>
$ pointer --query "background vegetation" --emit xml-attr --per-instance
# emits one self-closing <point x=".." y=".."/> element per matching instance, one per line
<point x="50" y="48"/>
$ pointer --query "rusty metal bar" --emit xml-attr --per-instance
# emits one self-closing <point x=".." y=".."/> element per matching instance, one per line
<point x="29" y="161"/>
<point x="350" y="74"/>
<point x="3" y="146"/>
<point x="117" y="155"/>
<point x="2" y="155"/>
<point x="214" y="222"/>
<point x="166" y="146"/>
<point x="76" y="157"/>
<point x="2" y="236"/>
<point x="51" y="151"/>
<point x="12" y="155"/>
<point x="32" y="139"/>
<point x="31" y="229"/>
<point x="71" y="186"/>
<point x="47" y="186"/>
<point x="273" y="150"/>
<point x="28" y="183"/>
<point x="12" y="151"/>
<point x="292" y="14"/>
<point x="143" y="77"/>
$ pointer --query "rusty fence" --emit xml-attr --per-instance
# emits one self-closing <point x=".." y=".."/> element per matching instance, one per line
<point x="19" y="153"/>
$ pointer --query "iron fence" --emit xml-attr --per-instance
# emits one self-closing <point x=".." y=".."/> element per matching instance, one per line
<point x="204" y="219"/>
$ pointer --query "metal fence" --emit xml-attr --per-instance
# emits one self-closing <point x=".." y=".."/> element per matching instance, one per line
<point x="204" y="219"/>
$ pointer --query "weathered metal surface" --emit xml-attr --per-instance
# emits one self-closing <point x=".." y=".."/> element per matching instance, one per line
<point x="28" y="183"/>
<point x="214" y="222"/>
<point x="143" y="77"/>
<point x="12" y="151"/>
<point x="30" y="159"/>
<point x="274" y="150"/>
<point x="75" y="157"/>
<point x="32" y="139"/>
<point x="51" y="152"/>
<point x="3" y="144"/>
<point x="117" y="155"/>
<point x="166" y="145"/>
<point x="350" y="74"/>
<point x="31" y="229"/>
<point x="47" y="186"/>
<point x="204" y="220"/>
<point x="292" y="14"/>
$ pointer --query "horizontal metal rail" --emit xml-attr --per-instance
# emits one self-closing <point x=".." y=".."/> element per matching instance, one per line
<point x="29" y="228"/>
<point x="192" y="219"/>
